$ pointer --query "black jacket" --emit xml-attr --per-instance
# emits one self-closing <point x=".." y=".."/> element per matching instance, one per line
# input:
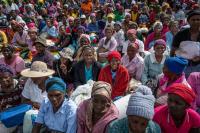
<point x="79" y="72"/>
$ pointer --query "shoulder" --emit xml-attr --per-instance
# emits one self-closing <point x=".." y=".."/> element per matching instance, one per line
<point x="122" y="69"/>
<point x="153" y="127"/>
<point x="118" y="125"/>
<point x="69" y="105"/>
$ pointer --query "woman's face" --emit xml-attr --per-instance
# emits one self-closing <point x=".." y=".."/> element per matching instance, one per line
<point x="56" y="98"/>
<point x="6" y="82"/>
<point x="117" y="27"/>
<point x="131" y="37"/>
<point x="80" y="31"/>
<point x="71" y="22"/>
<point x="48" y="22"/>
<point x="114" y="63"/>
<point x="39" y="47"/>
<point x="176" y="105"/>
<point x="159" y="49"/>
<point x="194" y="21"/>
<point x="88" y="56"/>
<point x="127" y="18"/>
<point x="32" y="35"/>
<point x="157" y="29"/>
<point x="100" y="103"/>
<point x="108" y="33"/>
<point x="84" y="41"/>
<point x="174" y="29"/>
<point x="62" y="30"/>
<point x="137" y="124"/>
<point x="131" y="52"/>
<point x="7" y="53"/>
<point x="20" y="29"/>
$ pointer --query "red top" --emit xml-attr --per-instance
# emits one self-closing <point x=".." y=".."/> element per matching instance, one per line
<point x="120" y="84"/>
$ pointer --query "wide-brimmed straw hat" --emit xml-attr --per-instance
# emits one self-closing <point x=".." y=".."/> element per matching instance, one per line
<point x="38" y="69"/>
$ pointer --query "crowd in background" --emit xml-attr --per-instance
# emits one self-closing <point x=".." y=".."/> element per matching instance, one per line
<point x="83" y="64"/>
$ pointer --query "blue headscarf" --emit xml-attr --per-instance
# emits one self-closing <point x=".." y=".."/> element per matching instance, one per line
<point x="56" y="84"/>
<point x="176" y="64"/>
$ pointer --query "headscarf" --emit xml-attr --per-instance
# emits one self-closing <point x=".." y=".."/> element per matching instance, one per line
<point x="114" y="54"/>
<point x="186" y="93"/>
<point x="55" y="84"/>
<point x="160" y="42"/>
<point x="176" y="64"/>
<point x="102" y="88"/>
<point x="6" y="69"/>
<point x="141" y="103"/>
<point x="85" y="36"/>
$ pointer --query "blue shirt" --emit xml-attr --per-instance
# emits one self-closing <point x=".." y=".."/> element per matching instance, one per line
<point x="93" y="27"/>
<point x="88" y="73"/>
<point x="64" y="120"/>
<point x="169" y="39"/>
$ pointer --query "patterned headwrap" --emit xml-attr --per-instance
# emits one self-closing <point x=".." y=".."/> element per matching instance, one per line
<point x="5" y="69"/>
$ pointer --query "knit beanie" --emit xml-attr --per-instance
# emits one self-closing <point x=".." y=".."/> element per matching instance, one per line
<point x="176" y="64"/>
<point x="141" y="103"/>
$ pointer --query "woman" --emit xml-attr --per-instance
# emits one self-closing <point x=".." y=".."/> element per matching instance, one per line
<point x="57" y="113"/>
<point x="177" y="116"/>
<point x="155" y="35"/>
<point x="115" y="74"/>
<point x="94" y="115"/>
<point x="10" y="92"/>
<point x="50" y="29"/>
<point x="186" y="43"/>
<point x="42" y="53"/>
<point x="83" y="41"/>
<point x="153" y="63"/>
<point x="139" y="112"/>
<point x="20" y="37"/>
<point x="173" y="29"/>
<point x="193" y="80"/>
<point x="133" y="61"/>
<point x="173" y="72"/>
<point x="34" y="90"/>
<point x="12" y="60"/>
<point x="63" y="66"/>
<point x="87" y="68"/>
<point x="108" y="43"/>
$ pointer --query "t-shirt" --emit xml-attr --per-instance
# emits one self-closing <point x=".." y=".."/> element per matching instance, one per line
<point x="32" y="92"/>
<point x="166" y="122"/>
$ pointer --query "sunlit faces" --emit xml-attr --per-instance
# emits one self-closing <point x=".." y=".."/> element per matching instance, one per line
<point x="114" y="63"/>
<point x="137" y="124"/>
<point x="56" y="98"/>
<point x="100" y="103"/>
<point x="159" y="49"/>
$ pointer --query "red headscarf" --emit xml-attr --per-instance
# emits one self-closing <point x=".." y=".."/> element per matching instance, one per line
<point x="114" y="54"/>
<point x="183" y="91"/>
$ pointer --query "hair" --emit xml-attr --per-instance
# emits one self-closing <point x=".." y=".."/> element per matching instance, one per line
<point x="87" y="47"/>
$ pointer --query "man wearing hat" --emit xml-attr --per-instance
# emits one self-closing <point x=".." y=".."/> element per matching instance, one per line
<point x="189" y="37"/>
<point x="42" y="53"/>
